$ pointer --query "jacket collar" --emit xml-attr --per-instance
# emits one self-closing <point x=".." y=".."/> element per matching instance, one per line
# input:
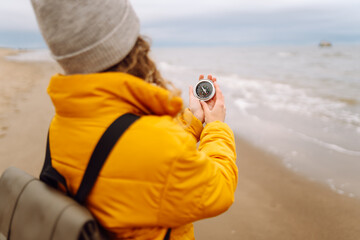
<point x="102" y="94"/>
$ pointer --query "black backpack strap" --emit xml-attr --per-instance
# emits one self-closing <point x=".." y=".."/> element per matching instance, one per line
<point x="101" y="152"/>
<point x="50" y="175"/>
<point x="167" y="235"/>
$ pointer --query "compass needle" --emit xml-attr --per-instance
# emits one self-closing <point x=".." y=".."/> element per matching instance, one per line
<point x="203" y="89"/>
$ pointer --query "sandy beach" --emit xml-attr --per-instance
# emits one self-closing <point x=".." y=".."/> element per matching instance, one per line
<point x="271" y="202"/>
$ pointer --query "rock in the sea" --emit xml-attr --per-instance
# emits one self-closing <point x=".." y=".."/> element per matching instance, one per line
<point x="325" y="44"/>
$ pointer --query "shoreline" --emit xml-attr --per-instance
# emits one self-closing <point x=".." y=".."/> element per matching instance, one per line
<point x="271" y="202"/>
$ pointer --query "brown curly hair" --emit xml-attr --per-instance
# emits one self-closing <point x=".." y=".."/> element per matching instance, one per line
<point x="139" y="64"/>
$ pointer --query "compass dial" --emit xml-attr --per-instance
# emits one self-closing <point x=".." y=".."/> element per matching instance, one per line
<point x="204" y="90"/>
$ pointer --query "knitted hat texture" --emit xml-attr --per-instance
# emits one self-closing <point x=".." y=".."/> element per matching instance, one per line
<point x="87" y="36"/>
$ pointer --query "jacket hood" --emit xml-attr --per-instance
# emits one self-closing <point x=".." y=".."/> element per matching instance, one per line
<point x="103" y="94"/>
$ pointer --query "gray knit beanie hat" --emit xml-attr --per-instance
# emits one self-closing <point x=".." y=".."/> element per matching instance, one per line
<point x="87" y="36"/>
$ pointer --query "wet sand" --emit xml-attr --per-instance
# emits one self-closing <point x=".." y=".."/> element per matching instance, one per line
<point x="271" y="202"/>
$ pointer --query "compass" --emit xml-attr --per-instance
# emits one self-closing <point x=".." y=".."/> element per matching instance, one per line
<point x="204" y="90"/>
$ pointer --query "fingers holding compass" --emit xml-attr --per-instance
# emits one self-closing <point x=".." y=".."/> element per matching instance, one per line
<point x="212" y="101"/>
<point x="218" y="110"/>
<point x="210" y="77"/>
<point x="194" y="105"/>
<point x="204" y="94"/>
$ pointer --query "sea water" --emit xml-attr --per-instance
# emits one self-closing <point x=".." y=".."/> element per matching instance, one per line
<point x="301" y="103"/>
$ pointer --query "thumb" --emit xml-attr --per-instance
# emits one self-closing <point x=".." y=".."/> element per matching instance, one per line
<point x="205" y="106"/>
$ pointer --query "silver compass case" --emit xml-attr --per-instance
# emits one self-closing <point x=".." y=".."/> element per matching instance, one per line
<point x="204" y="90"/>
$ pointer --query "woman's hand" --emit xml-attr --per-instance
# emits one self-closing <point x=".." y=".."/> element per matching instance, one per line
<point x="216" y="112"/>
<point x="194" y="103"/>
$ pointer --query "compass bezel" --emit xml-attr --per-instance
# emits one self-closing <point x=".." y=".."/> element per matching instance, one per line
<point x="211" y="94"/>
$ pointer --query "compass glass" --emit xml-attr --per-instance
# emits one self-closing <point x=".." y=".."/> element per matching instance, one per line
<point x="204" y="89"/>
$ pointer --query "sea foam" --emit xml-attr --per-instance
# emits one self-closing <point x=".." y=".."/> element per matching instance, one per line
<point x="32" y="56"/>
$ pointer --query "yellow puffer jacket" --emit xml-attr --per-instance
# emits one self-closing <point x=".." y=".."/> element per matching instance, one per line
<point x="155" y="177"/>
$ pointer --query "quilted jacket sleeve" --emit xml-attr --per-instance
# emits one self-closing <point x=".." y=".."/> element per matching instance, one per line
<point x="191" y="124"/>
<point x="202" y="181"/>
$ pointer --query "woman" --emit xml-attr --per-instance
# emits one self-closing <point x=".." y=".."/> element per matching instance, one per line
<point x="155" y="177"/>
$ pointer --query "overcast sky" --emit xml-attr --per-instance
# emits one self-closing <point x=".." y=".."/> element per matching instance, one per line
<point x="221" y="22"/>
